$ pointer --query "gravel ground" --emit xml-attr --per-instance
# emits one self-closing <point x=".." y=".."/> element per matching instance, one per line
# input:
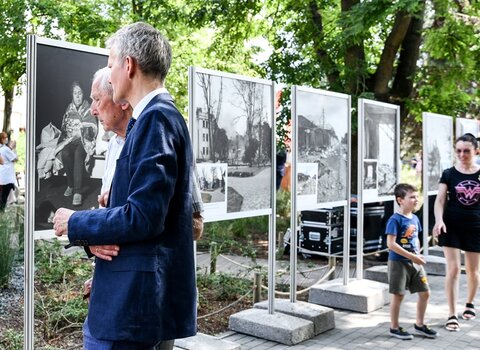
<point x="11" y="302"/>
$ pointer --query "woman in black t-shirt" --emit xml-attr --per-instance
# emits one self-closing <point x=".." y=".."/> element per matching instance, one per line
<point x="457" y="225"/>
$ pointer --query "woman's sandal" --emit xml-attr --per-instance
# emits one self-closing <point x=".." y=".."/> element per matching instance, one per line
<point x="469" y="313"/>
<point x="452" y="324"/>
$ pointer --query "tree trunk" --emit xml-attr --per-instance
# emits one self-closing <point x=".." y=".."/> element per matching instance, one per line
<point x="354" y="59"/>
<point x="402" y="88"/>
<point x="7" y="113"/>
<point x="407" y="63"/>
<point x="331" y="71"/>
<point x="384" y="72"/>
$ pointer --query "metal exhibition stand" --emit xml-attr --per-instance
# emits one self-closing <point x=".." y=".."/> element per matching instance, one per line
<point x="45" y="59"/>
<point x="343" y="199"/>
<point x="215" y="88"/>
<point x="366" y="140"/>
<point x="29" y="262"/>
<point x="437" y="155"/>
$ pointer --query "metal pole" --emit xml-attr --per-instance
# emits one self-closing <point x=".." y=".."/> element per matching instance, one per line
<point x="29" y="261"/>
<point x="425" y="184"/>
<point x="272" y="217"/>
<point x="293" y="199"/>
<point x="361" y="152"/>
<point x="346" y="211"/>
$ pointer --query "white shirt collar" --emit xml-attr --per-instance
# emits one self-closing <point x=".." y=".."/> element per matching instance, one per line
<point x="145" y="101"/>
<point x="119" y="139"/>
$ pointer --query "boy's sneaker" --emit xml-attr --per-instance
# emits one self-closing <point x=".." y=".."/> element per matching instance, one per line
<point x="400" y="333"/>
<point x="425" y="331"/>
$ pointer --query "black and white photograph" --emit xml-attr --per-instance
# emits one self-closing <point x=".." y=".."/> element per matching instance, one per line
<point x="380" y="122"/>
<point x="323" y="132"/>
<point x="307" y="174"/>
<point x="438" y="147"/>
<point x="464" y="125"/>
<point x="70" y="144"/>
<point x="370" y="174"/>
<point x="212" y="179"/>
<point x="232" y="125"/>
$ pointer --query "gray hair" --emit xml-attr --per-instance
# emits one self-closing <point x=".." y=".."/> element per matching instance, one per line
<point x="150" y="49"/>
<point x="103" y="77"/>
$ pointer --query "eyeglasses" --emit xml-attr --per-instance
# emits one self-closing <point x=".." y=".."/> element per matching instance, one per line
<point x="463" y="151"/>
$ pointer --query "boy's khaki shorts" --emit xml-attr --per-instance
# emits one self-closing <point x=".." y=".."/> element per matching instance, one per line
<point x="404" y="275"/>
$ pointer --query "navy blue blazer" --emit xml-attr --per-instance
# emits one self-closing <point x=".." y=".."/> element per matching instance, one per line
<point x="147" y="293"/>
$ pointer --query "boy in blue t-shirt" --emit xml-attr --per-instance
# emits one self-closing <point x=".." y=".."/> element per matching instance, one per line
<point x="405" y="270"/>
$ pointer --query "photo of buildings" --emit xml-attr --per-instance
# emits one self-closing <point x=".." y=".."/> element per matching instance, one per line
<point x="323" y="122"/>
<point x="233" y="132"/>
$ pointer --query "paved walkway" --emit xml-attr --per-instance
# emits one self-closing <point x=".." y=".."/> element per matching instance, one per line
<point x="370" y="331"/>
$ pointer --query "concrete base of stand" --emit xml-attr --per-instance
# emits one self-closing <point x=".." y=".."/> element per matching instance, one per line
<point x="435" y="265"/>
<point x="438" y="251"/>
<point x="277" y="327"/>
<point x="358" y="295"/>
<point x="205" y="342"/>
<point x="322" y="317"/>
<point x="377" y="273"/>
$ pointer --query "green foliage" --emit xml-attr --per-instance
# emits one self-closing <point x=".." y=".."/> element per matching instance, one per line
<point x="283" y="204"/>
<point x="235" y="236"/>
<point x="228" y="287"/>
<point x="61" y="309"/>
<point x="324" y="44"/>
<point x="247" y="236"/>
<point x="59" y="278"/>
<point x="12" y="42"/>
<point x="53" y="267"/>
<point x="11" y="340"/>
<point x="283" y="211"/>
<point x="283" y="120"/>
<point x="11" y="228"/>
<point x="449" y="77"/>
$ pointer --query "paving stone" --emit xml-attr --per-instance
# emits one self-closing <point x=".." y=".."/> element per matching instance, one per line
<point x="205" y="342"/>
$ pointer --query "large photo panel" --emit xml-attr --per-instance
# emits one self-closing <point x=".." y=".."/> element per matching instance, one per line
<point x="65" y="149"/>
<point x="379" y="162"/>
<point x="70" y="144"/>
<point x="437" y="148"/>
<point x="231" y="123"/>
<point x="322" y="120"/>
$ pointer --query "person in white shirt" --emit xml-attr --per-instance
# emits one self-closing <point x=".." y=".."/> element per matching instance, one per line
<point x="116" y="117"/>
<point x="113" y="117"/>
<point x="8" y="178"/>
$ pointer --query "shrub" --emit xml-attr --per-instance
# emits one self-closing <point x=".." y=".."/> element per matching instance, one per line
<point x="59" y="307"/>
<point x="227" y="287"/>
<point x="11" y="340"/>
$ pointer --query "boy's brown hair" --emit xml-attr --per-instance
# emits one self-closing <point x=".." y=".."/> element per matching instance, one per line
<point x="401" y="190"/>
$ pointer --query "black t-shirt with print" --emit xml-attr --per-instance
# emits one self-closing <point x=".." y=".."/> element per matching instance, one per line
<point x="463" y="197"/>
